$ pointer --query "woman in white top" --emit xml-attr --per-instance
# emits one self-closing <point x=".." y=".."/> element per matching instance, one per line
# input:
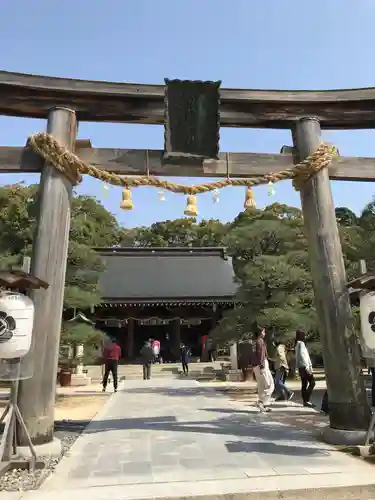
<point x="305" y="369"/>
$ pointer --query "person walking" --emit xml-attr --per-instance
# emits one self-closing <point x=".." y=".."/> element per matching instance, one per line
<point x="155" y="345"/>
<point x="305" y="369"/>
<point x="185" y="355"/>
<point x="282" y="370"/>
<point x="111" y="357"/>
<point x="263" y="376"/>
<point x="147" y="356"/>
<point x="325" y="403"/>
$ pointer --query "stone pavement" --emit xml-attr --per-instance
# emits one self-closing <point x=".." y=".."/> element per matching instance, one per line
<point x="175" y="438"/>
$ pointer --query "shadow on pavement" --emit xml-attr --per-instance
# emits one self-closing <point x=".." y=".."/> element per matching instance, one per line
<point x="181" y="391"/>
<point x="271" y="448"/>
<point x="252" y="426"/>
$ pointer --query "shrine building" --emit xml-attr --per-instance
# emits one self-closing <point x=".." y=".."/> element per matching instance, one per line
<point x="169" y="294"/>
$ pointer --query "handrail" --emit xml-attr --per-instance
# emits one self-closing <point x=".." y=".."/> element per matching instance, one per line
<point x="33" y="96"/>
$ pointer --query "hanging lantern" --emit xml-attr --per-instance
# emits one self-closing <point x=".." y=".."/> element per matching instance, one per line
<point x="126" y="202"/>
<point x="16" y="324"/>
<point x="249" y="199"/>
<point x="271" y="189"/>
<point x="216" y="196"/>
<point x="366" y="334"/>
<point x="161" y="196"/>
<point x="191" y="209"/>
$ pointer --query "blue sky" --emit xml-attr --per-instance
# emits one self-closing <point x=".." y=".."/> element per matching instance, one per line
<point x="264" y="44"/>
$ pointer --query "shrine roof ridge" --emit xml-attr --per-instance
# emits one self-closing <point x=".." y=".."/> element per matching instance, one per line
<point x="155" y="251"/>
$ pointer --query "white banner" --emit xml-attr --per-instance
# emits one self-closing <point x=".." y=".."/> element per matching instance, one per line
<point x="367" y="338"/>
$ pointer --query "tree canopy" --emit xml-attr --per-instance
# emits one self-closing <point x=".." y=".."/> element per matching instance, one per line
<point x="91" y="226"/>
<point x="176" y="233"/>
<point x="270" y="260"/>
<point x="268" y="249"/>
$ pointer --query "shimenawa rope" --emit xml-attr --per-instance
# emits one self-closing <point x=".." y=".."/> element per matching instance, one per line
<point x="73" y="167"/>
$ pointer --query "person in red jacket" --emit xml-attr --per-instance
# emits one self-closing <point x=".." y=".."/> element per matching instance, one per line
<point x="111" y="357"/>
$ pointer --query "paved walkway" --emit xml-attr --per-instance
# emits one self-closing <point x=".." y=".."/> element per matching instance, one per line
<point x="165" y="438"/>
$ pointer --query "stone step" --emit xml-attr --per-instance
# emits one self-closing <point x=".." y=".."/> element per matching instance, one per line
<point x="343" y="493"/>
<point x="204" y="371"/>
<point x="140" y="492"/>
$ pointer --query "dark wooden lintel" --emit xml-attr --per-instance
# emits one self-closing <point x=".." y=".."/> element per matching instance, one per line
<point x="133" y="162"/>
<point x="32" y="96"/>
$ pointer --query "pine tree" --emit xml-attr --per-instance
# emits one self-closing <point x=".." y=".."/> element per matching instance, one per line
<point x="270" y="260"/>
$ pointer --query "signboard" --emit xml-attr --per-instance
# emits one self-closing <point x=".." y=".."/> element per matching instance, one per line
<point x="192" y="121"/>
<point x="168" y="321"/>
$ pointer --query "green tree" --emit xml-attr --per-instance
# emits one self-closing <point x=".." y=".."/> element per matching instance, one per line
<point x="270" y="259"/>
<point x="17" y="218"/>
<point x="91" y="226"/>
<point x="176" y="233"/>
<point x="74" y="334"/>
<point x="345" y="217"/>
<point x="366" y="223"/>
<point x="367" y="218"/>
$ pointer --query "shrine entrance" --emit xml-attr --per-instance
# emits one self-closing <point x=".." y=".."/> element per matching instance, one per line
<point x="192" y="113"/>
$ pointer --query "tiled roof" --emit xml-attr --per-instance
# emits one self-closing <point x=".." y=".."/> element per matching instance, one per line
<point x="141" y="274"/>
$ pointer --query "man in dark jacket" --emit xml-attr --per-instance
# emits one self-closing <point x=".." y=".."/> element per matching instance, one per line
<point x="147" y="356"/>
<point x="111" y="357"/>
<point x="185" y="355"/>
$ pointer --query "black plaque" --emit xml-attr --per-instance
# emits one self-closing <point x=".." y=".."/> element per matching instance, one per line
<point x="192" y="121"/>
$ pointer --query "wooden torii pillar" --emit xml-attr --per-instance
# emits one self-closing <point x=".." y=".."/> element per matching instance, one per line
<point x="349" y="409"/>
<point x="50" y="250"/>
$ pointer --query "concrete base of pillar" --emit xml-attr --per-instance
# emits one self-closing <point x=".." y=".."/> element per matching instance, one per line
<point x="80" y="380"/>
<point x="233" y="357"/>
<point x="342" y="437"/>
<point x="234" y="376"/>
<point x="52" y="449"/>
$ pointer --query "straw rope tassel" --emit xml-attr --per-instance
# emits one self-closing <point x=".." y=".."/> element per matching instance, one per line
<point x="126" y="202"/>
<point x="249" y="199"/>
<point x="191" y="209"/>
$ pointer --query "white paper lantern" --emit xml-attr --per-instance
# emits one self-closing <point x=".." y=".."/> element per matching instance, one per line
<point x="16" y="324"/>
<point x="367" y="337"/>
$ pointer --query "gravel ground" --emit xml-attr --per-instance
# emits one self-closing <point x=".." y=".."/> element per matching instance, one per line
<point x="22" y="480"/>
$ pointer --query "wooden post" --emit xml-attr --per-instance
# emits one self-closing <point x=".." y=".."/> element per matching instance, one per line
<point x="49" y="255"/>
<point x="363" y="266"/>
<point x="233" y="356"/>
<point x="176" y="339"/>
<point x="130" y="340"/>
<point x="348" y="405"/>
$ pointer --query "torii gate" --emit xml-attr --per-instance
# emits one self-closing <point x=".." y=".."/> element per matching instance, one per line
<point x="64" y="101"/>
